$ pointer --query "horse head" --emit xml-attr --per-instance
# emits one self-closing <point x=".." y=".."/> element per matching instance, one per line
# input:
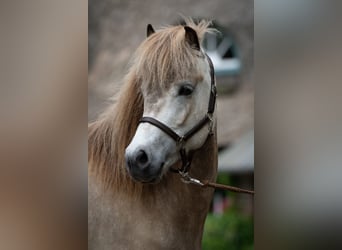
<point x="177" y="84"/>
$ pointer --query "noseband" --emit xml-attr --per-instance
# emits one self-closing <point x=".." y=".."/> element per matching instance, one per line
<point x="181" y="140"/>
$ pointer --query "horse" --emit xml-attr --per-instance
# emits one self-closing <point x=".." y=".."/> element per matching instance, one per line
<point x="163" y="121"/>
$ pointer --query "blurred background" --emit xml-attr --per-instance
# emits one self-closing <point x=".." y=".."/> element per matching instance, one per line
<point x="44" y="85"/>
<point x="116" y="28"/>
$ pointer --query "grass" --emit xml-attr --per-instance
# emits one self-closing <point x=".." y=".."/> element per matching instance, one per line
<point x="231" y="230"/>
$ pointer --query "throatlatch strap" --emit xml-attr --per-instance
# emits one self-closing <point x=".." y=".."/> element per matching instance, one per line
<point x="212" y="99"/>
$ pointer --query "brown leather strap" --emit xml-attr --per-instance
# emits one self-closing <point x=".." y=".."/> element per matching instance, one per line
<point x="173" y="134"/>
<point x="196" y="128"/>
<point x="162" y="127"/>
<point x="226" y="187"/>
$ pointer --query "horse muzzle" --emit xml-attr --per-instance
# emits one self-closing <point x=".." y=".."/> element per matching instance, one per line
<point x="142" y="168"/>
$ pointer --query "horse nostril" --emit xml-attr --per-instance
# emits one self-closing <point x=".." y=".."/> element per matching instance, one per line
<point x="141" y="158"/>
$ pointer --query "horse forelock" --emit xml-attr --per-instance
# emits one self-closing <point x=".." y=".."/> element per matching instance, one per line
<point x="165" y="56"/>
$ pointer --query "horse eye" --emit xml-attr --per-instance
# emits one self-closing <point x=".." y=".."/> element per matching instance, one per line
<point x="186" y="90"/>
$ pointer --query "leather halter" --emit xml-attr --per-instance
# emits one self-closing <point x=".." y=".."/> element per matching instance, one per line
<point x="181" y="140"/>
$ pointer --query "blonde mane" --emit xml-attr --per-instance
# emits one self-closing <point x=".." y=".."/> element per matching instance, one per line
<point x="159" y="60"/>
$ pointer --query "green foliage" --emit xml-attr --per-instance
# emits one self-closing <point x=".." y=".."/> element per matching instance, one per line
<point x="223" y="178"/>
<point x="231" y="230"/>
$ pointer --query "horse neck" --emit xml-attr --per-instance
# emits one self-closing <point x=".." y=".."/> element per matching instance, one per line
<point x="189" y="204"/>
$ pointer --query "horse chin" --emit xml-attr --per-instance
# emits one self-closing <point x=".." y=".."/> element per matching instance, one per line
<point x="152" y="180"/>
<point x="147" y="178"/>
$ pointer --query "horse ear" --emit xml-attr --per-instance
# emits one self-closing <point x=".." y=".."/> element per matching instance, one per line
<point x="191" y="37"/>
<point x="150" y="30"/>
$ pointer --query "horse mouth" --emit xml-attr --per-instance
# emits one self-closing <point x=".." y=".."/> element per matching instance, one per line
<point x="149" y="179"/>
<point x="152" y="180"/>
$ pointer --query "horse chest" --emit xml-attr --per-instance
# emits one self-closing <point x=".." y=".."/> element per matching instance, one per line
<point x="115" y="223"/>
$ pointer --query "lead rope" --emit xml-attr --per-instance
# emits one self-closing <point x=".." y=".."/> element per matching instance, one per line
<point x="186" y="178"/>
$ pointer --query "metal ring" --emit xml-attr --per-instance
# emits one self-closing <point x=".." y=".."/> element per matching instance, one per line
<point x="180" y="141"/>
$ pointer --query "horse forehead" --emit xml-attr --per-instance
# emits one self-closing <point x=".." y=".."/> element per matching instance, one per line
<point x="154" y="92"/>
<point x="153" y="98"/>
<point x="154" y="103"/>
<point x="156" y="96"/>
